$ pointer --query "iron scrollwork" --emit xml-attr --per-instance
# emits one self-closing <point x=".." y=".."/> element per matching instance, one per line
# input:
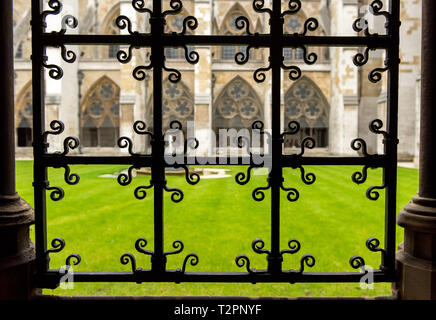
<point x="141" y="243"/>
<point x="243" y="178"/>
<point x="359" y="145"/>
<point x="373" y="244"/>
<point x="68" y="21"/>
<point x="57" y="127"/>
<point x="307" y="142"/>
<point x="361" y="24"/>
<point x="258" y="246"/>
<point x="58" y="244"/>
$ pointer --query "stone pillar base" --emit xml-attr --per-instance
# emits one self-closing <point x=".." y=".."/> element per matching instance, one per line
<point x="17" y="252"/>
<point x="416" y="258"/>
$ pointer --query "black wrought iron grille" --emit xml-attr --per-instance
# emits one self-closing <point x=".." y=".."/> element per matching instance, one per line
<point x="157" y="40"/>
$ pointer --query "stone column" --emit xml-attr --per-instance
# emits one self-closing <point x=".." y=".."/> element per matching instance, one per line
<point x="203" y="81"/>
<point x="128" y="88"/>
<point x="416" y="258"/>
<point x="69" y="104"/>
<point x="16" y="249"/>
<point x="343" y="124"/>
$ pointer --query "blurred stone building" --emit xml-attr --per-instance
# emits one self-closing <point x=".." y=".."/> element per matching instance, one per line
<point x="98" y="99"/>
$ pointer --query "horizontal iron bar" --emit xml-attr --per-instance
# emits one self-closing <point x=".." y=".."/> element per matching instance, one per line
<point x="260" y="40"/>
<point x="53" y="160"/>
<point x="374" y="161"/>
<point x="52" y="277"/>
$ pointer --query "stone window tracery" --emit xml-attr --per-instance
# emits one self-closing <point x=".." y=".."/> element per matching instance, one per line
<point x="228" y="27"/>
<point x="305" y="103"/>
<point x="237" y="106"/>
<point x="24" y="117"/>
<point x="100" y="115"/>
<point x="174" y="23"/>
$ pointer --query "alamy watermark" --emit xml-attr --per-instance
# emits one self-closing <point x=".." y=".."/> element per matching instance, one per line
<point x="367" y="280"/>
<point x="235" y="146"/>
<point x="67" y="279"/>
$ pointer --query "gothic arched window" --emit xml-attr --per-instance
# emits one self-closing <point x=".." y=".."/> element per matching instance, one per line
<point x="228" y="27"/>
<point x="177" y="104"/>
<point x="24" y="116"/>
<point x="305" y="103"/>
<point x="112" y="29"/>
<point x="295" y="24"/>
<point x="100" y="114"/>
<point x="236" y="107"/>
<point x="174" y="23"/>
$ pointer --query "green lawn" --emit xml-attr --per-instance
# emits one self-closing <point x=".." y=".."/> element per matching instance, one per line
<point x="217" y="220"/>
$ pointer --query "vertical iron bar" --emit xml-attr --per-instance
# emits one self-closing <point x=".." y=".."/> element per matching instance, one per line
<point x="158" y="168"/>
<point x="7" y="140"/>
<point x="39" y="169"/>
<point x="390" y="171"/>
<point x="276" y="175"/>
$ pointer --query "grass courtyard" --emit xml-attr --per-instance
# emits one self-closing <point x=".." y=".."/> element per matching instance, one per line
<point x="218" y="219"/>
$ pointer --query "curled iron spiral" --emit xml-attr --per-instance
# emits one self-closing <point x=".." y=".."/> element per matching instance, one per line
<point x="190" y="22"/>
<point x="372" y="194"/>
<point x="259" y="74"/>
<point x="67" y="55"/>
<point x="357" y="262"/>
<point x="70" y="178"/>
<point x="123" y="22"/>
<point x="128" y="257"/>
<point x="373" y="244"/>
<point x="307" y="142"/>
<point x="191" y="56"/>
<point x="258" y="193"/>
<point x="193" y="260"/>
<point x="294" y="128"/>
<point x="174" y="74"/>
<point x="178" y="245"/>
<point x="140" y="192"/>
<point x="58" y="244"/>
<point x="294" y="71"/>
<point x="294" y="246"/>
<point x="307" y="260"/>
<point x="68" y="21"/>
<point x="125" y="142"/>
<point x="241" y="57"/>
<point x="310" y="24"/>
<point x="376" y="74"/>
<point x="360" y="177"/>
<point x="56" y="7"/>
<point x="125" y="179"/>
<point x="258" y="246"/>
<point x="242" y="23"/>
<point x="294" y="6"/>
<point x="293" y="193"/>
<point x="176" y="7"/>
<point x="76" y="259"/>
<point x="176" y="194"/>
<point x="139" y="5"/>
<point x="140" y="244"/>
<point x="139" y="71"/>
<point x="70" y="143"/>
<point x="241" y="261"/>
<point x="141" y="128"/>
<point x="125" y="57"/>
<point x="359" y="144"/>
<point x="56" y="194"/>
<point x="55" y="72"/>
<point x="258" y="6"/>
<point x="241" y="178"/>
